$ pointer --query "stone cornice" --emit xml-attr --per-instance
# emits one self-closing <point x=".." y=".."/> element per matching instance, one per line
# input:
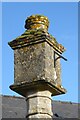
<point x="31" y="37"/>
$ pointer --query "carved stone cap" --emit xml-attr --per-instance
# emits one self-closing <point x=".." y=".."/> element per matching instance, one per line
<point x="37" y="22"/>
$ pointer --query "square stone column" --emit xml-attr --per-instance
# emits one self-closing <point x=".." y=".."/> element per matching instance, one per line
<point x="37" y="67"/>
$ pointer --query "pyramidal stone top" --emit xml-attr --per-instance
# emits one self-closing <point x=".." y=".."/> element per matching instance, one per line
<point x="37" y="22"/>
<point x="37" y="31"/>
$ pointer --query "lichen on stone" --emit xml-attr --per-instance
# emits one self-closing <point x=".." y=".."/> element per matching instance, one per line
<point x="37" y="31"/>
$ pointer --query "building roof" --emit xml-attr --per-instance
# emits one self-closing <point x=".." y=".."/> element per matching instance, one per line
<point x="15" y="107"/>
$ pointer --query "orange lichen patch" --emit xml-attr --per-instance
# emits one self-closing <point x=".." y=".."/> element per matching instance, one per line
<point x="30" y="37"/>
<point x="61" y="47"/>
<point x="37" y="26"/>
<point x="37" y="21"/>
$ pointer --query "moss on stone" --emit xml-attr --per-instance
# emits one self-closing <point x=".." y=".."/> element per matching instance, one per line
<point x="32" y="36"/>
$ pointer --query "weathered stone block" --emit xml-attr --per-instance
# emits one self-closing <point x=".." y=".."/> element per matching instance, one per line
<point x="43" y="106"/>
<point x="35" y="62"/>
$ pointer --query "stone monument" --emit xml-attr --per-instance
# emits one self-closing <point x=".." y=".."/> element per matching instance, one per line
<point x="37" y="70"/>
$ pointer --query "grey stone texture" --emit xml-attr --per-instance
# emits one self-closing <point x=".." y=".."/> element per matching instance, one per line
<point x="58" y="70"/>
<point x="34" y="63"/>
<point x="34" y="56"/>
<point x="16" y="107"/>
<point x="43" y="106"/>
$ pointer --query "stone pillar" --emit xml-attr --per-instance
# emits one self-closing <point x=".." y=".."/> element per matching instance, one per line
<point x="34" y="71"/>
<point x="39" y="104"/>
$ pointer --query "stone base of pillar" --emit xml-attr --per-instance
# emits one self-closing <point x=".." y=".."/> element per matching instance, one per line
<point x="39" y="104"/>
<point x="38" y="98"/>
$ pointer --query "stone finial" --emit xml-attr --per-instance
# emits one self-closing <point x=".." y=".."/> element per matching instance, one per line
<point x="37" y="22"/>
